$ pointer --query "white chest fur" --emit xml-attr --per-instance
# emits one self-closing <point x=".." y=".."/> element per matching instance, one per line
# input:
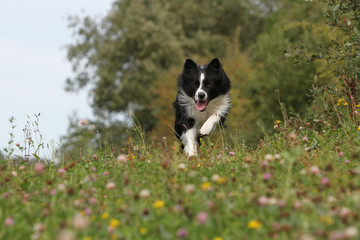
<point x="220" y="105"/>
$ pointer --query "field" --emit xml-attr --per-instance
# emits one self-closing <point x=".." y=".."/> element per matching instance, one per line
<point x="301" y="182"/>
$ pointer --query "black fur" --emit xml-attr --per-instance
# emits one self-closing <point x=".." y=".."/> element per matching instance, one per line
<point x="215" y="83"/>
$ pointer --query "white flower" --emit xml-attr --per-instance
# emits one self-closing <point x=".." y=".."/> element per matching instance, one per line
<point x="144" y="193"/>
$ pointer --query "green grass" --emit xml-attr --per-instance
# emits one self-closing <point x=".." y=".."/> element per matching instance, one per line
<point x="240" y="193"/>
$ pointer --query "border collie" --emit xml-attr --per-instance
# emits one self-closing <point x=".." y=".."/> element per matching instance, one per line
<point x="202" y="101"/>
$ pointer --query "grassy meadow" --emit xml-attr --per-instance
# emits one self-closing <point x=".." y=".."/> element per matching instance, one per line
<point x="300" y="182"/>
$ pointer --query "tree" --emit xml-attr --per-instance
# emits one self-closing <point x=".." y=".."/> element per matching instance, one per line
<point x="295" y="25"/>
<point x="120" y="57"/>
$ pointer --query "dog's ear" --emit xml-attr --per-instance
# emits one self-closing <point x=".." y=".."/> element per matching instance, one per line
<point x="214" y="64"/>
<point x="189" y="64"/>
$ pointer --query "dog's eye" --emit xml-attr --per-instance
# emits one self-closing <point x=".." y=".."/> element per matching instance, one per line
<point x="195" y="84"/>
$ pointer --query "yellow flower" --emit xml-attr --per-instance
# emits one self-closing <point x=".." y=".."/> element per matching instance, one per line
<point x="221" y="180"/>
<point x="199" y="165"/>
<point x="105" y="215"/>
<point x="218" y="238"/>
<point x="277" y="121"/>
<point x="254" y="224"/>
<point x="143" y="231"/>
<point x="326" y="219"/>
<point x="114" y="223"/>
<point x="358" y="128"/>
<point x="205" y="186"/>
<point x="159" y="204"/>
<point x="358" y="105"/>
<point x="345" y="104"/>
<point x="341" y="100"/>
<point x="87" y="238"/>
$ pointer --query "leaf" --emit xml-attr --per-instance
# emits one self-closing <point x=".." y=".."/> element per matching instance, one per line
<point x="336" y="7"/>
<point x="356" y="31"/>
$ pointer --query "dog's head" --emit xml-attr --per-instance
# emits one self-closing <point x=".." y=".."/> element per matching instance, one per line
<point x="203" y="83"/>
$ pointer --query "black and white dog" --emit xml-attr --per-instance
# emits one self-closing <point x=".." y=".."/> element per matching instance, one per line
<point x="202" y="101"/>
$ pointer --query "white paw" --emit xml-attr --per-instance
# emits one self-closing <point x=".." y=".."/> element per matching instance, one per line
<point x="190" y="150"/>
<point x="206" y="128"/>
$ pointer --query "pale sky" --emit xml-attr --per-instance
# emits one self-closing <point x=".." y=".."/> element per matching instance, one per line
<point x="33" y="65"/>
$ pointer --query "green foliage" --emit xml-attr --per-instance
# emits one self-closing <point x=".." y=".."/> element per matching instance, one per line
<point x="121" y="57"/>
<point x="302" y="181"/>
<point x="274" y="70"/>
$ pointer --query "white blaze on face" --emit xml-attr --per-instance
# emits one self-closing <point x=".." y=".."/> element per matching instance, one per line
<point x="201" y="102"/>
<point x="200" y="90"/>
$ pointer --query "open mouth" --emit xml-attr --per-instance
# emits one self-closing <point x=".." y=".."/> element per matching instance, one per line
<point x="201" y="105"/>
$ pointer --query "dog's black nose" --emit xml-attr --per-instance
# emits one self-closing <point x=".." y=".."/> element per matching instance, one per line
<point x="201" y="95"/>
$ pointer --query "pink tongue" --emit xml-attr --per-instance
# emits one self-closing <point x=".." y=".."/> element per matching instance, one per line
<point x="200" y="105"/>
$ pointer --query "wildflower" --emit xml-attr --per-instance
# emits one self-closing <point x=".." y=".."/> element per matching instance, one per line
<point x="292" y="136"/>
<point x="158" y="204"/>
<point x="22" y="168"/>
<point x="215" y="177"/>
<point x="17" y="144"/>
<point x="114" y="223"/>
<point x="39" y="168"/>
<point x="344" y="212"/>
<point x="92" y="201"/>
<point x="305" y="139"/>
<point x="95" y="156"/>
<point x="110" y="185"/>
<point x="277" y="121"/>
<point x="182" y="233"/>
<point x="263" y="201"/>
<point x="276" y="126"/>
<point x="144" y="193"/>
<point x="267" y="176"/>
<point x="232" y="153"/>
<point x="67" y="235"/>
<point x="6" y="195"/>
<point x="218" y="238"/>
<point x="189" y="188"/>
<point x="325" y="181"/>
<point x="84" y="122"/>
<point x="182" y="166"/>
<point x="341" y="154"/>
<point x="80" y="221"/>
<point x="202" y="217"/>
<point x="93" y="169"/>
<point x="61" y="172"/>
<point x="358" y="106"/>
<point x="314" y="170"/>
<point x="105" y="215"/>
<point x="326" y="219"/>
<point x="121" y="158"/>
<point x="340" y="101"/>
<point x="106" y="173"/>
<point x="347" y="161"/>
<point x="351" y="232"/>
<point x="345" y="104"/>
<point x="254" y="224"/>
<point x="143" y="231"/>
<point x="205" y="186"/>
<point x="9" y="221"/>
<point x="221" y="180"/>
<point x="268" y="158"/>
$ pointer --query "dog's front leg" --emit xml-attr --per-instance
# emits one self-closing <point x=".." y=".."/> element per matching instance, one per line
<point x="209" y="124"/>
<point x="189" y="141"/>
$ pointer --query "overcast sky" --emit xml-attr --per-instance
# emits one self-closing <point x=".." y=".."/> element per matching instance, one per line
<point x="33" y="65"/>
